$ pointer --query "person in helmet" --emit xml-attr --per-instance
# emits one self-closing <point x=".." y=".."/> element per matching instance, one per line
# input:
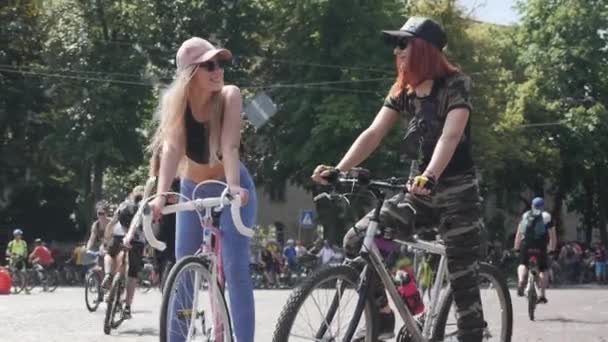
<point x="16" y="250"/>
<point x="115" y="234"/>
<point x="535" y="228"/>
<point x="41" y="255"/>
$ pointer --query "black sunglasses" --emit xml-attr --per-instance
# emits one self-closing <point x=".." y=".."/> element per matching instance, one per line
<point x="211" y="65"/>
<point x="101" y="213"/>
<point x="402" y="43"/>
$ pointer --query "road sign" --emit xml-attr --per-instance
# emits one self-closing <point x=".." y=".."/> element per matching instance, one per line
<point x="307" y="218"/>
<point x="260" y="109"/>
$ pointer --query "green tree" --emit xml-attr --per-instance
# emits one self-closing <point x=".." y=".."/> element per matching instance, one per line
<point x="562" y="62"/>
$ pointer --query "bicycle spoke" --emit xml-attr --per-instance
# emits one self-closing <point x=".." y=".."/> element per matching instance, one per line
<point x="316" y="317"/>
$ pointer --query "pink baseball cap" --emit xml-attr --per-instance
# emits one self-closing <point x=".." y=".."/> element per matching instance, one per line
<point x="197" y="50"/>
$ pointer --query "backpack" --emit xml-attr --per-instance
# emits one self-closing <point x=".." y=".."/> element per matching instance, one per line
<point x="533" y="227"/>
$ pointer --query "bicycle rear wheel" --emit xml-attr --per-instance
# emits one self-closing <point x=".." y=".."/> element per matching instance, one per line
<point x="31" y="279"/>
<point x="192" y="309"/>
<point x="532" y="297"/>
<point x="497" y="308"/>
<point x="304" y="318"/>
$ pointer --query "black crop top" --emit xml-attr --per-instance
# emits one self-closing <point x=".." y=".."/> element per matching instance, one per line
<point x="197" y="139"/>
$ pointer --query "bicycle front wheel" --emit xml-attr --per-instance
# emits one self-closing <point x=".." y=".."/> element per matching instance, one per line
<point x="497" y="309"/>
<point x="193" y="306"/>
<point x="114" y="316"/>
<point x="92" y="291"/>
<point x="329" y="305"/>
<point x="52" y="280"/>
<point x="18" y="282"/>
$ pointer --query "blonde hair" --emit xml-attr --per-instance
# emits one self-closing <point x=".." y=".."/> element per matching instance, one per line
<point x="170" y="116"/>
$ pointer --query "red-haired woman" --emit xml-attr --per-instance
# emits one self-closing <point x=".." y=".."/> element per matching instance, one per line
<point x="434" y="97"/>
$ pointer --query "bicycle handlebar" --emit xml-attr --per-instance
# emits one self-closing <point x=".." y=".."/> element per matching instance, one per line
<point x="362" y="178"/>
<point x="199" y="204"/>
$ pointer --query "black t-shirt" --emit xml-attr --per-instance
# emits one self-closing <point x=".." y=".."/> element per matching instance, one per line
<point x="448" y="93"/>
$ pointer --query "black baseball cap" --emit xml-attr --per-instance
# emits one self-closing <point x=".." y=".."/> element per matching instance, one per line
<point x="418" y="27"/>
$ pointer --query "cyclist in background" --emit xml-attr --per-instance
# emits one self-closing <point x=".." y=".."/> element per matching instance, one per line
<point x="95" y="242"/>
<point x="134" y="241"/>
<point x="41" y="255"/>
<point x="534" y="229"/>
<point x="16" y="250"/>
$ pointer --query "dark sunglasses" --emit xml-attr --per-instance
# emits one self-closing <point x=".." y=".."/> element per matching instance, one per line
<point x="402" y="43"/>
<point x="101" y="213"/>
<point x="212" y="65"/>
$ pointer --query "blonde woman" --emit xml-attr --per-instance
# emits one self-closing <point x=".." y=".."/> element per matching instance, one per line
<point x="199" y="133"/>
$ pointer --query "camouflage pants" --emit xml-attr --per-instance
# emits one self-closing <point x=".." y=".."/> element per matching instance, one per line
<point x="454" y="208"/>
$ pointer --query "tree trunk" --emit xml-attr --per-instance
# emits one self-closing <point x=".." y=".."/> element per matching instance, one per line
<point x="102" y="20"/>
<point x="98" y="168"/>
<point x="86" y="209"/>
<point x="558" y="202"/>
<point x="588" y="185"/>
<point x="602" y="204"/>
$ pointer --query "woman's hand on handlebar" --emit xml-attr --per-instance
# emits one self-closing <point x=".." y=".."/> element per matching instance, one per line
<point x="242" y="192"/>
<point x="126" y="241"/>
<point x="322" y="173"/>
<point x="156" y="205"/>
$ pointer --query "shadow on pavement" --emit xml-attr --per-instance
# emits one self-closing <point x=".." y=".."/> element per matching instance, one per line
<point x="568" y="320"/>
<point x="139" y="332"/>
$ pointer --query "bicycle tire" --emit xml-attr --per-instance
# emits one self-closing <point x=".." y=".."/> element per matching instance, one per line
<point x="31" y="279"/>
<point x="92" y="279"/>
<point x="305" y="288"/>
<point x="169" y="291"/>
<point x="489" y="272"/>
<point x="52" y="280"/>
<point x="165" y="275"/>
<point x="18" y="282"/>
<point x="532" y="297"/>
<point x="113" y="305"/>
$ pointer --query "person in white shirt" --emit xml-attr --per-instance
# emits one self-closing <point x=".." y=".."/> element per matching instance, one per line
<point x="326" y="253"/>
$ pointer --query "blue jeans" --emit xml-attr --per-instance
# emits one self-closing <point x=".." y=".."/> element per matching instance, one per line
<point x="235" y="251"/>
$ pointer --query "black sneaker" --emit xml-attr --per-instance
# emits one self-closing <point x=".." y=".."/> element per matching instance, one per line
<point x="386" y="328"/>
<point x="542" y="300"/>
<point x="126" y="312"/>
<point x="520" y="290"/>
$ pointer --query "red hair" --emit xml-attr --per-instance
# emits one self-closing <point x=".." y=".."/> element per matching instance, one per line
<point x="425" y="62"/>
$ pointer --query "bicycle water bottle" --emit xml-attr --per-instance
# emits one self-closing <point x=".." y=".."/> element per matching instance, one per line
<point x="406" y="286"/>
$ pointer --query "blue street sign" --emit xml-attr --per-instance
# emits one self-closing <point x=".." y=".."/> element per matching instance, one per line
<point x="307" y="218"/>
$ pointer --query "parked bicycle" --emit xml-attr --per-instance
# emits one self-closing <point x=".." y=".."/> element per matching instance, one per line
<point x="193" y="305"/>
<point x="314" y="310"/>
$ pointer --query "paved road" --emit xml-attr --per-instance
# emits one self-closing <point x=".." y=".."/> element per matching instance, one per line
<point x="573" y="315"/>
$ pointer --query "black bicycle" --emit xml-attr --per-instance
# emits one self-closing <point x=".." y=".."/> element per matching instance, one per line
<point x="315" y="309"/>
<point x="115" y="303"/>
<point x="38" y="275"/>
<point x="93" y="291"/>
